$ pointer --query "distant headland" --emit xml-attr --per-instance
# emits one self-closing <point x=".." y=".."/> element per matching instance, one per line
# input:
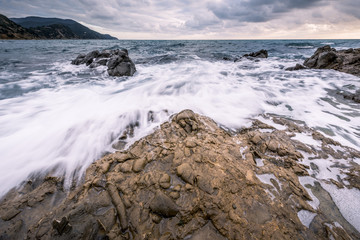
<point x="46" y="28"/>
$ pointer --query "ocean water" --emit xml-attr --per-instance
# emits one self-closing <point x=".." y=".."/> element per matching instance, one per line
<point x="57" y="117"/>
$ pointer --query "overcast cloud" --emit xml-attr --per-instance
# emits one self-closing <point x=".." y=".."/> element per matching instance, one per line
<point x="202" y="19"/>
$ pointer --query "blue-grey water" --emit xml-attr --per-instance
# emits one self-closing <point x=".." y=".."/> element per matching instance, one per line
<point x="54" y="115"/>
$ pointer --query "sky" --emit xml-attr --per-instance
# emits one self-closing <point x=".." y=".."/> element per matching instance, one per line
<point x="202" y="19"/>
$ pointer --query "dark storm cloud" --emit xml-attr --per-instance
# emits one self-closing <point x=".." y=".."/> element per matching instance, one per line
<point x="351" y="7"/>
<point x="257" y="10"/>
<point x="188" y="17"/>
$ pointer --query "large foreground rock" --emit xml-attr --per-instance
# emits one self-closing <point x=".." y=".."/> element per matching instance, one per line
<point x="190" y="179"/>
<point x="117" y="61"/>
<point x="347" y="61"/>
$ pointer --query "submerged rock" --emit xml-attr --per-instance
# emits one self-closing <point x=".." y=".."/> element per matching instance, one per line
<point x="117" y="61"/>
<point x="191" y="179"/>
<point x="352" y="96"/>
<point x="325" y="57"/>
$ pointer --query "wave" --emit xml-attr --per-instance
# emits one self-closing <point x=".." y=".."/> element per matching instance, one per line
<point x="301" y="45"/>
<point x="77" y="114"/>
<point x="161" y="59"/>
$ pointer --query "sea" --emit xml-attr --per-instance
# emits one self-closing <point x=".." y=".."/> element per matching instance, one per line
<point x="59" y="118"/>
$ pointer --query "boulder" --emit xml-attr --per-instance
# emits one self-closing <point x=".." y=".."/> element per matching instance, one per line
<point x="297" y="67"/>
<point x="325" y="57"/>
<point x="193" y="179"/>
<point x="117" y="61"/>
<point x="259" y="54"/>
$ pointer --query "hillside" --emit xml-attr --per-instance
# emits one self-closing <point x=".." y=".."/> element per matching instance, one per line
<point x="54" y="31"/>
<point x="46" y="28"/>
<point x="79" y="31"/>
<point x="11" y="30"/>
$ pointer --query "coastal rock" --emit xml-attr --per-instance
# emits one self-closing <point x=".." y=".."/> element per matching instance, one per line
<point x="259" y="54"/>
<point x="192" y="179"/>
<point x="297" y="67"/>
<point x="117" y="61"/>
<point x="352" y="96"/>
<point x="325" y="57"/>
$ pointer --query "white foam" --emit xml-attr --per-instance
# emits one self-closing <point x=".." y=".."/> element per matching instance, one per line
<point x="357" y="160"/>
<point x="347" y="202"/>
<point x="242" y="152"/>
<point x="327" y="168"/>
<point x="307" y="139"/>
<point x="265" y="178"/>
<point x="271" y="123"/>
<point x="306" y="217"/>
<point x="259" y="162"/>
<point x="72" y="123"/>
<point x="309" y="180"/>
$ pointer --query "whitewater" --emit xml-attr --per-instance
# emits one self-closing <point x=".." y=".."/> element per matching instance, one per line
<point x="58" y="118"/>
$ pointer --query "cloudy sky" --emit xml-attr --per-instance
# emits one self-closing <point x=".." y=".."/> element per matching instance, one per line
<point x="202" y="19"/>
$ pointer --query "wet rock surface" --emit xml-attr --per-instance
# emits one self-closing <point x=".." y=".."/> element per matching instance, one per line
<point x="117" y="61"/>
<point x="297" y="67"/>
<point x="259" y="54"/>
<point x="347" y="61"/>
<point x="251" y="56"/>
<point x="351" y="96"/>
<point x="191" y="179"/>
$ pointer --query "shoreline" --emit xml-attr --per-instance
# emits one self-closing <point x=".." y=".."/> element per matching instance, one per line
<point x="192" y="172"/>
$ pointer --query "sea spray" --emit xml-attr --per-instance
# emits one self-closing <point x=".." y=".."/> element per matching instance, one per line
<point x="54" y="115"/>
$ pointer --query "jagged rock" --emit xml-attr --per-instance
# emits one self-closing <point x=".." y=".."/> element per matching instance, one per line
<point x="259" y="54"/>
<point x="62" y="226"/>
<point x="325" y="57"/>
<point x="297" y="67"/>
<point x="189" y="179"/>
<point x="117" y="61"/>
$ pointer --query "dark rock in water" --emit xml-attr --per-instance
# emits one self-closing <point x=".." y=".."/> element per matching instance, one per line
<point x="120" y="65"/>
<point x="259" y="54"/>
<point x="190" y="179"/>
<point x="237" y="59"/>
<point x="297" y="67"/>
<point x="325" y="57"/>
<point x="352" y="96"/>
<point x="117" y="61"/>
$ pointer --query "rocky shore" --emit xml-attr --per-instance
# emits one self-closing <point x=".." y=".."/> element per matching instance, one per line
<point x="117" y="61"/>
<point x="347" y="61"/>
<point x="192" y="179"/>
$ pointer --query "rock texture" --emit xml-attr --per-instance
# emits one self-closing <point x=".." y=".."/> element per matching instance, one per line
<point x="297" y="67"/>
<point x="259" y="54"/>
<point x="347" y="61"/>
<point x="252" y="56"/>
<point x="352" y="96"/>
<point x="190" y="179"/>
<point x="117" y="61"/>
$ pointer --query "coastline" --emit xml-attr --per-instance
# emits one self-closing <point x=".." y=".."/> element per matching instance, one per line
<point x="192" y="179"/>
